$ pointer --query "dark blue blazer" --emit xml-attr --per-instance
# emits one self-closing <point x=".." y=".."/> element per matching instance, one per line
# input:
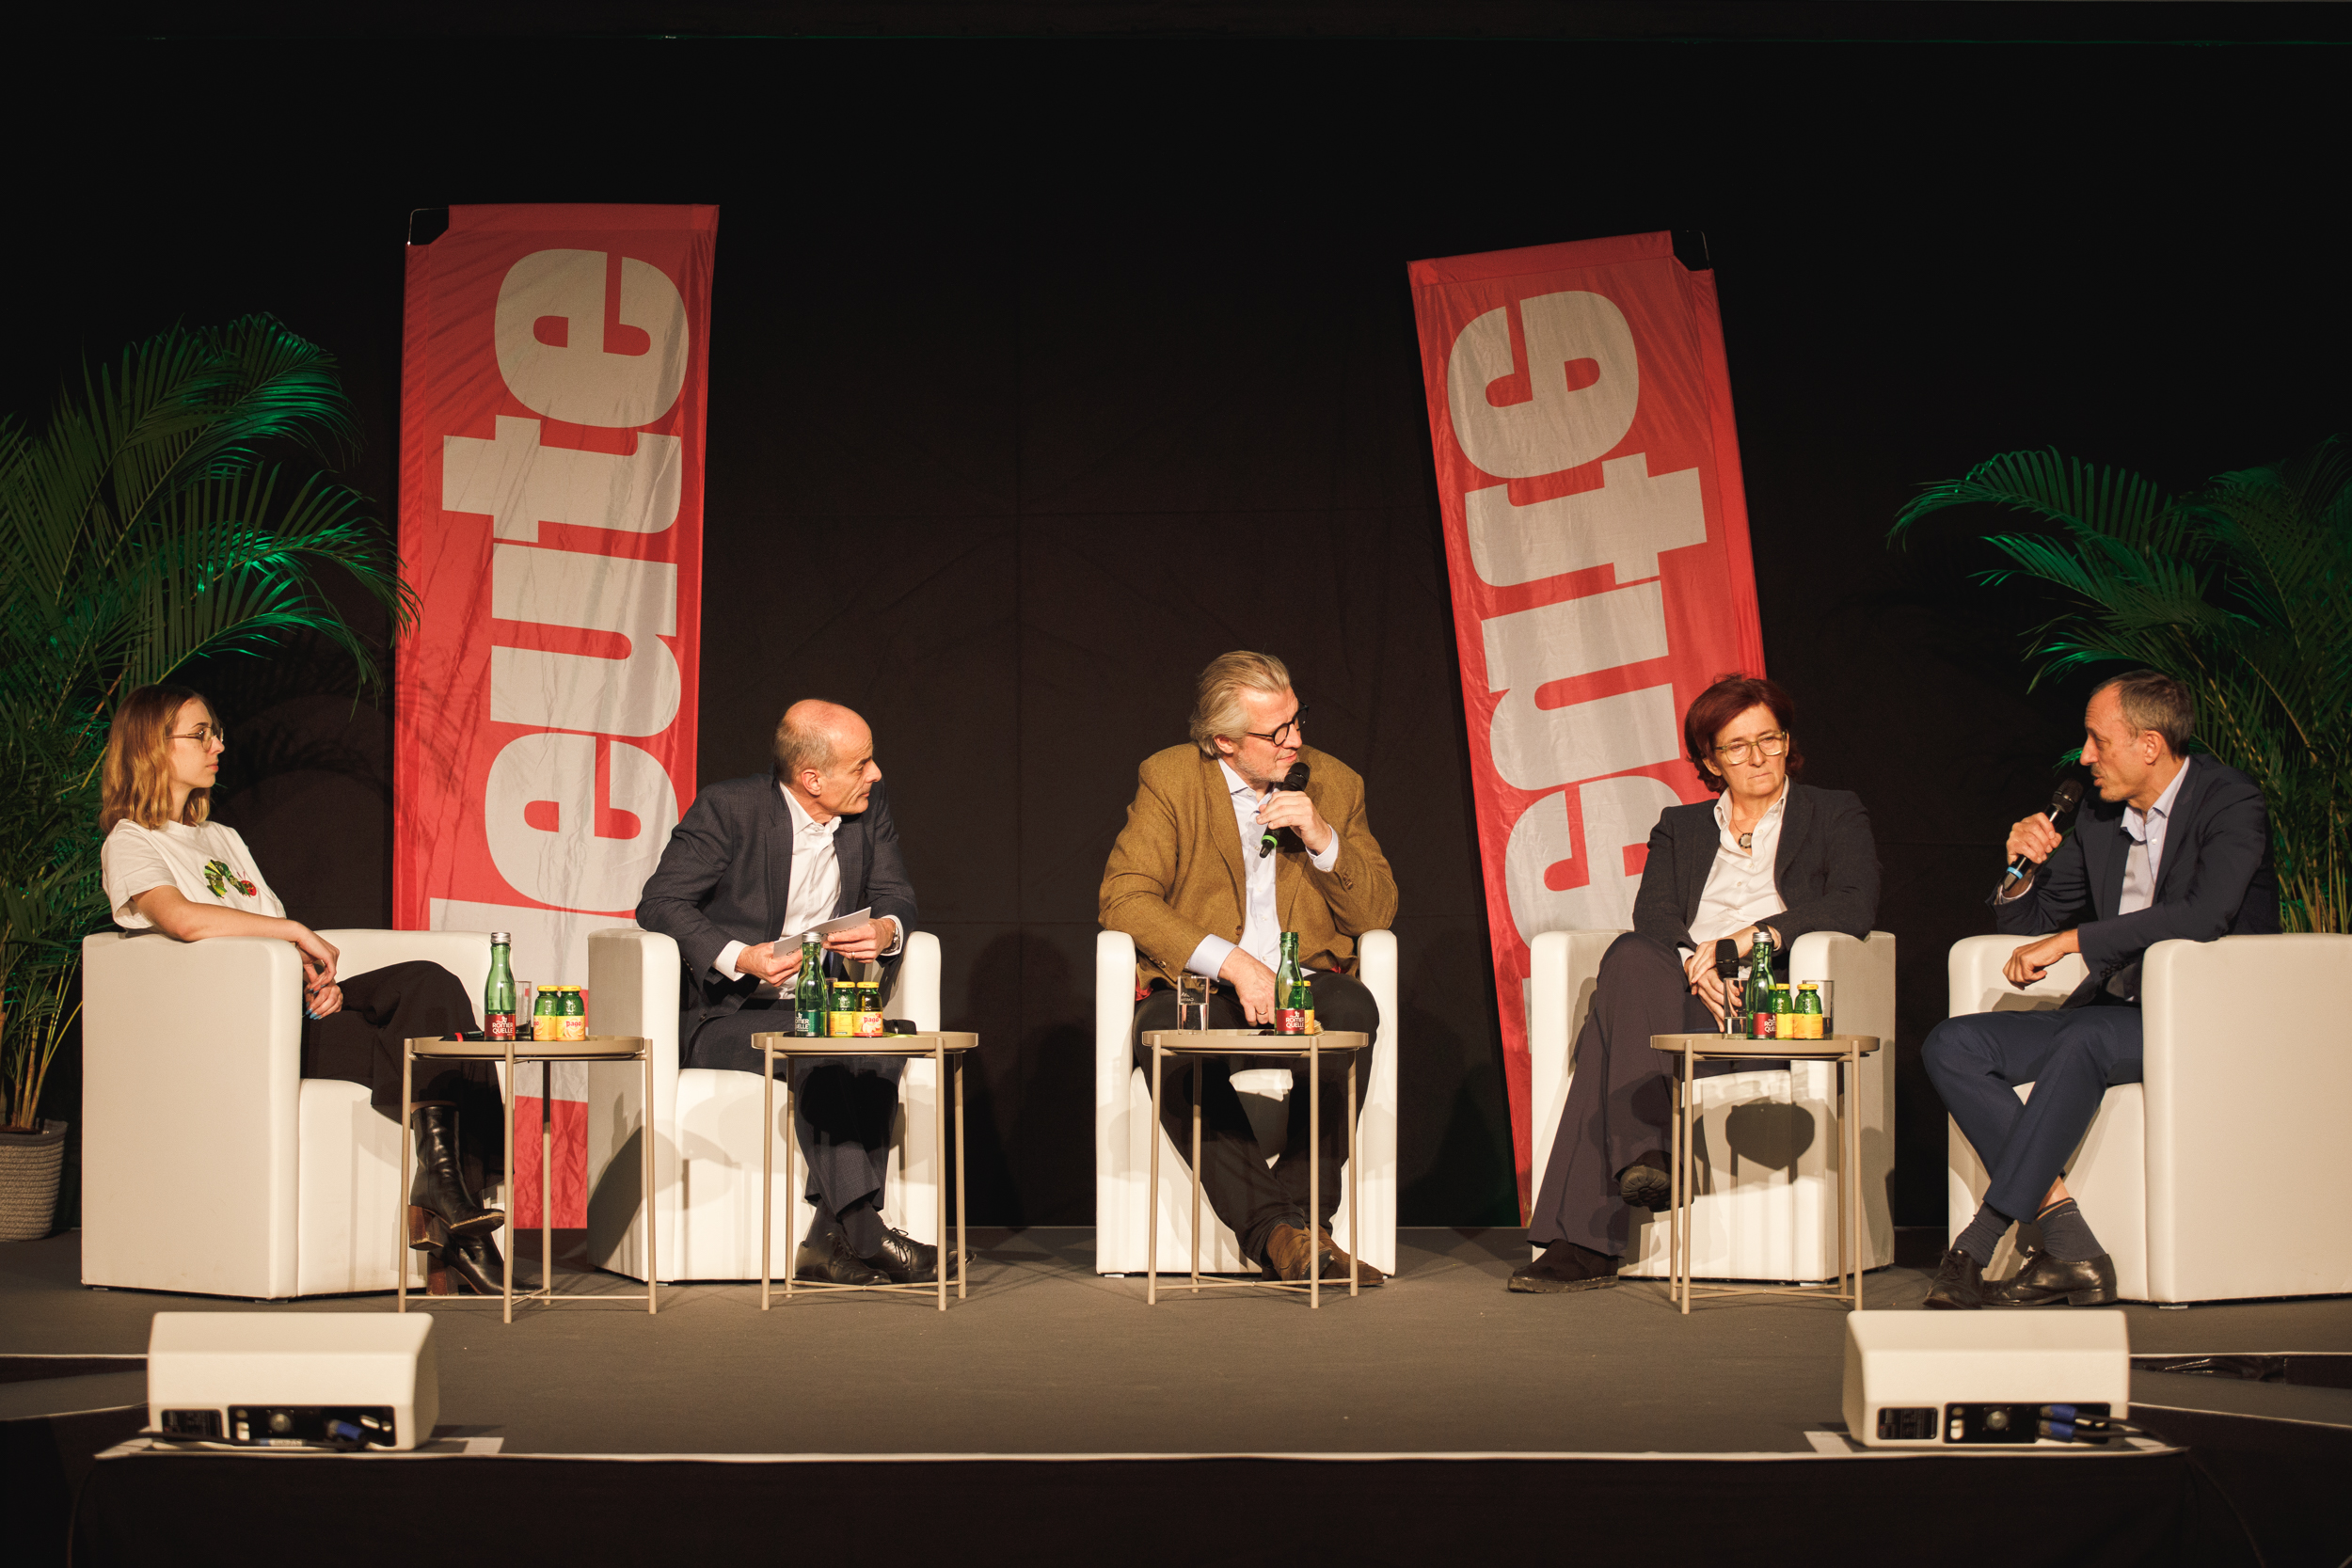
<point x="2214" y="880"/>
<point x="726" y="876"/>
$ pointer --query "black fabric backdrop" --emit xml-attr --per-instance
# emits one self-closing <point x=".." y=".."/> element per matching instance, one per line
<point x="1043" y="371"/>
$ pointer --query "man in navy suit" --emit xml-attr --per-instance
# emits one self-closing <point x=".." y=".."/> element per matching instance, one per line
<point x="754" y="863"/>
<point x="2175" y="847"/>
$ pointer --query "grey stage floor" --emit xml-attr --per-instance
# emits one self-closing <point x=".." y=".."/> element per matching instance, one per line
<point x="1047" y="1357"/>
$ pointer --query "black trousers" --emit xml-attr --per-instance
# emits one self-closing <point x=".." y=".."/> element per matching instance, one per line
<point x="1251" y="1197"/>
<point x="1620" y="1103"/>
<point x="843" y="1107"/>
<point x="361" y="1043"/>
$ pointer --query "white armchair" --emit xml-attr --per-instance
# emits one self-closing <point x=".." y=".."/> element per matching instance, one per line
<point x="707" y="1163"/>
<point x="2247" y="1058"/>
<point x="1122" y="1127"/>
<point x="1767" y="1208"/>
<point x="209" y="1162"/>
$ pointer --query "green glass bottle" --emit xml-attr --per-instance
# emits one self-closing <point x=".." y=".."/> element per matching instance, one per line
<point x="1763" y="1021"/>
<point x="497" y="991"/>
<point x="1293" y="1001"/>
<point x="808" y="992"/>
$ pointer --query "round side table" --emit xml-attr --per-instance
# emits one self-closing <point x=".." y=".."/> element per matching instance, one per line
<point x="942" y="1047"/>
<point x="1847" y="1052"/>
<point x="595" y="1048"/>
<point x="1310" y="1049"/>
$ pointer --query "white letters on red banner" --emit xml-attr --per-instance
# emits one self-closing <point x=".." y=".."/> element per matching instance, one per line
<point x="1596" y="545"/>
<point x="551" y="478"/>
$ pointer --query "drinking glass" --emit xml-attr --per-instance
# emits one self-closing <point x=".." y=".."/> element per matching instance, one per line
<point x="1192" y="1001"/>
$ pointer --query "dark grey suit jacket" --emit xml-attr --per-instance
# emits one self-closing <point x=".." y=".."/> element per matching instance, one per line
<point x="727" y="874"/>
<point x="2214" y="880"/>
<point x="1826" y="869"/>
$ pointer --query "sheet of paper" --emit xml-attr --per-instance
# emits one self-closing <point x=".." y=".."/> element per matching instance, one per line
<point x="826" y="928"/>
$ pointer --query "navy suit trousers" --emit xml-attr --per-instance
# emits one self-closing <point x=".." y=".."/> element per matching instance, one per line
<point x="1977" y="1061"/>
<point x="843" y="1107"/>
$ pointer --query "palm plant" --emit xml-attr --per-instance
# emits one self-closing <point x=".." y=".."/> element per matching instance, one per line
<point x="173" y="507"/>
<point x="2242" y="590"/>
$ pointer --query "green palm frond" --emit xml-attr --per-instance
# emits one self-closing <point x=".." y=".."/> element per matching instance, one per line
<point x="153" y="520"/>
<point x="2242" y="590"/>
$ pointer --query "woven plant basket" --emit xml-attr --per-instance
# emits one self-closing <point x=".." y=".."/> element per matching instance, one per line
<point x="30" y="1164"/>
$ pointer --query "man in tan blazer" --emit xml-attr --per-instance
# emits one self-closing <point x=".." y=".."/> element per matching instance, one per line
<point x="1187" y="879"/>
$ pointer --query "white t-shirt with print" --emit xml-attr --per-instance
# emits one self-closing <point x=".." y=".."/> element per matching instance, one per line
<point x="209" y="863"/>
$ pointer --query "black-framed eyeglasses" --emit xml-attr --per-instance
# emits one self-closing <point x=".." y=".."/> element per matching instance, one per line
<point x="1282" y="731"/>
<point x="204" y="734"/>
<point x="1770" y="745"/>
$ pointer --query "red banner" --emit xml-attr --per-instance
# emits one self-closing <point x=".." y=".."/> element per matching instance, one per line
<point x="1597" y="541"/>
<point x="553" y="400"/>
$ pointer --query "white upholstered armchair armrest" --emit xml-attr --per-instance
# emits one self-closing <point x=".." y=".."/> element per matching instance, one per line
<point x="192" y="1060"/>
<point x="914" y="993"/>
<point x="1977" y="985"/>
<point x="465" y="954"/>
<point x="1117" y="1199"/>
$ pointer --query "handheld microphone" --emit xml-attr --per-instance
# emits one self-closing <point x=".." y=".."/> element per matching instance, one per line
<point x="2064" y="798"/>
<point x="1295" y="779"/>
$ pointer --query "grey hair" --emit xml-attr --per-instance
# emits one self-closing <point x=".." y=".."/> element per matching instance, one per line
<point x="2155" y="701"/>
<point x="1217" y="708"/>
<point x="799" y="749"/>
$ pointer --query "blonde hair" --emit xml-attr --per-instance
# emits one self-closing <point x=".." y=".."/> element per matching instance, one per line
<point x="1217" y="708"/>
<point x="135" y="782"/>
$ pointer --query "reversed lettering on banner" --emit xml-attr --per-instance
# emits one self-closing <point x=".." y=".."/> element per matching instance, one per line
<point x="1580" y="412"/>
<point x="552" y="426"/>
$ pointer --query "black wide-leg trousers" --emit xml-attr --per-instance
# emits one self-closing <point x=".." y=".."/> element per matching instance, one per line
<point x="363" y="1043"/>
<point x="843" y="1107"/>
<point x="1621" y="1099"/>
<point x="1251" y="1197"/>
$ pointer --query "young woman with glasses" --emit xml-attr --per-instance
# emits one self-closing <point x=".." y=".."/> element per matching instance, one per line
<point x="171" y="870"/>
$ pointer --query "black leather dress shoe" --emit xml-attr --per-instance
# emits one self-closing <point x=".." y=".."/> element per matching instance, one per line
<point x="831" y="1262"/>
<point x="1563" y="1267"/>
<point x="1959" y="1284"/>
<point x="906" y="1261"/>
<point x="1644" y="1184"/>
<point x="2045" y="1281"/>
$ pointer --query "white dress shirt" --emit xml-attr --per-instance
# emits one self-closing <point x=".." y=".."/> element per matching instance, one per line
<point x="2145" y="858"/>
<point x="1741" y="890"/>
<point x="815" y="885"/>
<point x="1260" y="928"/>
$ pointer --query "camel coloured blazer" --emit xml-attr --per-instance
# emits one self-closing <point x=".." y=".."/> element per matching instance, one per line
<point x="1176" y="873"/>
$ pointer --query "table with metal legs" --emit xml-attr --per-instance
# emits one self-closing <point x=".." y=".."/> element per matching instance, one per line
<point x="595" y="1048"/>
<point x="942" y="1047"/>
<point x="1310" y="1049"/>
<point x="1846" y="1051"/>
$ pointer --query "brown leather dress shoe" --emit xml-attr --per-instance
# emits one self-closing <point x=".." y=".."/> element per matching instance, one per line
<point x="1563" y="1267"/>
<point x="1289" y="1253"/>
<point x="1335" y="1264"/>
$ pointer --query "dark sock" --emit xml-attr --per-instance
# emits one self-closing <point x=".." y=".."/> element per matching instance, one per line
<point x="862" y="1223"/>
<point x="2065" y="1236"/>
<point x="1654" y="1160"/>
<point x="1983" y="1234"/>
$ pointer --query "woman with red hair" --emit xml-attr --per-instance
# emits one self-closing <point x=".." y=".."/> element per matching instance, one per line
<point x="1769" y="853"/>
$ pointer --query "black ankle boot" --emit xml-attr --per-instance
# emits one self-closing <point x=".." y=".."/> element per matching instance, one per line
<point x="476" y="1262"/>
<point x="439" y="1205"/>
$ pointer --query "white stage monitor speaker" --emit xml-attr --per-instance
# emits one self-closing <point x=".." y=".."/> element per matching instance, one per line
<point x="2052" y="1376"/>
<point x="293" y="1380"/>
